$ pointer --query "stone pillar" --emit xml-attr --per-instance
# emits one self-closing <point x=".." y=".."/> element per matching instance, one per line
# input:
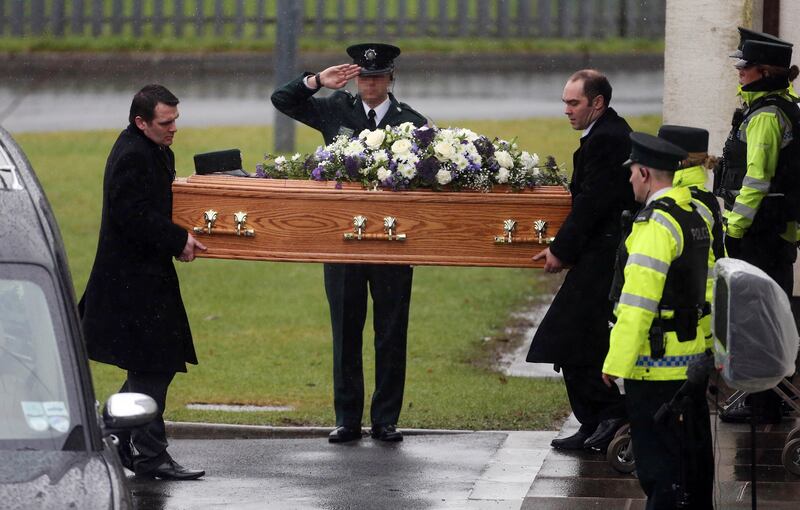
<point x="699" y="78"/>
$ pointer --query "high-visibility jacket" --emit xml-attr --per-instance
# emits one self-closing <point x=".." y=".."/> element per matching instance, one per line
<point x="765" y="131"/>
<point x="694" y="178"/>
<point x="666" y="270"/>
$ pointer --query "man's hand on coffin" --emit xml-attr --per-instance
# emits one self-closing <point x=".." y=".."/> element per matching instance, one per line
<point x="552" y="264"/>
<point x="336" y="77"/>
<point x="192" y="244"/>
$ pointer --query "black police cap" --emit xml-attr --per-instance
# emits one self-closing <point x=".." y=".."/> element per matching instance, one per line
<point x="654" y="152"/>
<point x="746" y="34"/>
<point x="765" y="53"/>
<point x="374" y="58"/>
<point x="687" y="138"/>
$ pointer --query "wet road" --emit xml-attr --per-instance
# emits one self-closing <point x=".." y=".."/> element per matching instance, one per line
<point x="69" y="102"/>
<point x="453" y="471"/>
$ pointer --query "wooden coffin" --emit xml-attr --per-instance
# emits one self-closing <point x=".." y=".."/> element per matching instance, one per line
<point x="307" y="221"/>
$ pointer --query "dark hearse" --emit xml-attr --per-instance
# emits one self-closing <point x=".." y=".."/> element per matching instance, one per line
<point x="56" y="451"/>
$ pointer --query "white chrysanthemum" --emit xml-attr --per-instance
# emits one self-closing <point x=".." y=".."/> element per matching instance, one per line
<point x="467" y="134"/>
<point x="460" y="161"/>
<point x="401" y="147"/>
<point x="443" y="177"/>
<point x="447" y="136"/>
<point x="280" y="160"/>
<point x="383" y="173"/>
<point x="353" y="148"/>
<point x="374" y="139"/>
<point x="380" y="156"/>
<point x="529" y="160"/>
<point x="504" y="159"/>
<point x="502" y="175"/>
<point x="410" y="158"/>
<point x="296" y="156"/>
<point x="444" y="151"/>
<point x="407" y="170"/>
<point x="406" y="128"/>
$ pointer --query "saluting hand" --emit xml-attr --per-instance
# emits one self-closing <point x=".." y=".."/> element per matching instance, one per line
<point x="552" y="264"/>
<point x="192" y="244"/>
<point x="336" y="77"/>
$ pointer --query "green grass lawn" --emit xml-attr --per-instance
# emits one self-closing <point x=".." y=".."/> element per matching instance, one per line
<point x="262" y="331"/>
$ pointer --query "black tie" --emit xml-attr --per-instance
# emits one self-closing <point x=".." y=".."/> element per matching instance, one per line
<point x="371" y="120"/>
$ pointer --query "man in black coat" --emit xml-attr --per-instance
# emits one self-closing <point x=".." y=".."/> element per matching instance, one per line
<point x="132" y="313"/>
<point x="346" y="284"/>
<point x="574" y="333"/>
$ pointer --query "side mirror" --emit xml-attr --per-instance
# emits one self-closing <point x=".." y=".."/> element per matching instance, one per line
<point x="128" y="410"/>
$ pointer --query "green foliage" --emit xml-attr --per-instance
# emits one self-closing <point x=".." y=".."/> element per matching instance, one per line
<point x="262" y="330"/>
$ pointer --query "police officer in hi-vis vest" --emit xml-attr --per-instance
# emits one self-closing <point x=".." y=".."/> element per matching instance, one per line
<point x="346" y="285"/>
<point x="657" y="334"/>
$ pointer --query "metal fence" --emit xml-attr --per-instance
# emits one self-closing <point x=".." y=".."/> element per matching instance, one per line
<point x="335" y="19"/>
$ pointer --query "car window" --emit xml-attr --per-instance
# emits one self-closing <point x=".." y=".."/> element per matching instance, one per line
<point x="34" y="406"/>
<point x="8" y="176"/>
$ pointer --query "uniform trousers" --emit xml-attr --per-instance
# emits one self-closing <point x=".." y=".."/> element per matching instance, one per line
<point x="591" y="400"/>
<point x="671" y="455"/>
<point x="150" y="440"/>
<point x="346" y="286"/>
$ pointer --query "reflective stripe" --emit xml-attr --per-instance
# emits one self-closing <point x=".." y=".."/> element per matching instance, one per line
<point x="668" y="361"/>
<point x="648" y="262"/>
<point x="660" y="218"/>
<point x="639" y="302"/>
<point x="702" y="210"/>
<point x="744" y="210"/>
<point x="756" y="184"/>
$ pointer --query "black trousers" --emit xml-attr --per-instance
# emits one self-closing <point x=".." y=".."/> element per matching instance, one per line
<point x="671" y="453"/>
<point x="591" y="400"/>
<point x="150" y="440"/>
<point x="346" y="286"/>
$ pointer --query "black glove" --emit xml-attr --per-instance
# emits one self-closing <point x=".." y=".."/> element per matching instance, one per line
<point x="733" y="245"/>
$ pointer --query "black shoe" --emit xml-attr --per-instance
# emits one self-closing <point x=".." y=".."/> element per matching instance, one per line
<point x="604" y="434"/>
<point x="573" y="442"/>
<point x="742" y="413"/>
<point x="125" y="453"/>
<point x="344" y="434"/>
<point x="171" y="470"/>
<point x="388" y="433"/>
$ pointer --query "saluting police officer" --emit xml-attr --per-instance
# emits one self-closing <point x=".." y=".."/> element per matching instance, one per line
<point x="656" y="334"/>
<point x="346" y="285"/>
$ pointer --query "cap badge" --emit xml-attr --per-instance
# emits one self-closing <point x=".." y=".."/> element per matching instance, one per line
<point x="370" y="54"/>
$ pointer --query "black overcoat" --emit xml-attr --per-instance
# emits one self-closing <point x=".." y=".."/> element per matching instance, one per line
<point x="341" y="113"/>
<point x="575" y="330"/>
<point x="132" y="311"/>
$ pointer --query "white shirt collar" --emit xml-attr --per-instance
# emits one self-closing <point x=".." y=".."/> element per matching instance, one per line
<point x="662" y="191"/>
<point x="380" y="110"/>
<point x="588" y="128"/>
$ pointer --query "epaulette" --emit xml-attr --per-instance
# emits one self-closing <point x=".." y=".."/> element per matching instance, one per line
<point x="662" y="203"/>
<point x="407" y="108"/>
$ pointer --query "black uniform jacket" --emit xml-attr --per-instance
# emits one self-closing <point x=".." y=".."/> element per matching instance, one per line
<point x="132" y="311"/>
<point x="575" y="329"/>
<point x="339" y="113"/>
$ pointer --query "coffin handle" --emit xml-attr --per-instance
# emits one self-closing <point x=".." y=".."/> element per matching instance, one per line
<point x="210" y="219"/>
<point x="510" y="226"/>
<point x="360" y="225"/>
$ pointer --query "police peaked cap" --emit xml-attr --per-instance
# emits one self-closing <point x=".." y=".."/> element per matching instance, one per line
<point x="751" y="35"/>
<point x="765" y="53"/>
<point x="687" y="138"/>
<point x="374" y="58"/>
<point x="654" y="152"/>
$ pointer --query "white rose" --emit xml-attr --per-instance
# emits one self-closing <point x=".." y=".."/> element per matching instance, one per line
<point x="374" y="139"/>
<point x="502" y="176"/>
<point x="401" y="147"/>
<point x="383" y="173"/>
<point x="444" y="151"/>
<point x="407" y="170"/>
<point x="443" y="177"/>
<point x="363" y="134"/>
<point x="504" y="159"/>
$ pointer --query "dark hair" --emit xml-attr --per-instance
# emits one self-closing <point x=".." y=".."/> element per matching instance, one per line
<point x="595" y="84"/>
<point x="145" y="101"/>
<point x="780" y="72"/>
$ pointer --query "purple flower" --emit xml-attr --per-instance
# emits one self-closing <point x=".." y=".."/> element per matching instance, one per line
<point x="352" y="164"/>
<point x="424" y="137"/>
<point x="316" y="174"/>
<point x="260" y="171"/>
<point x="322" y="154"/>
<point x="338" y="185"/>
<point x="484" y="146"/>
<point x="427" y="169"/>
